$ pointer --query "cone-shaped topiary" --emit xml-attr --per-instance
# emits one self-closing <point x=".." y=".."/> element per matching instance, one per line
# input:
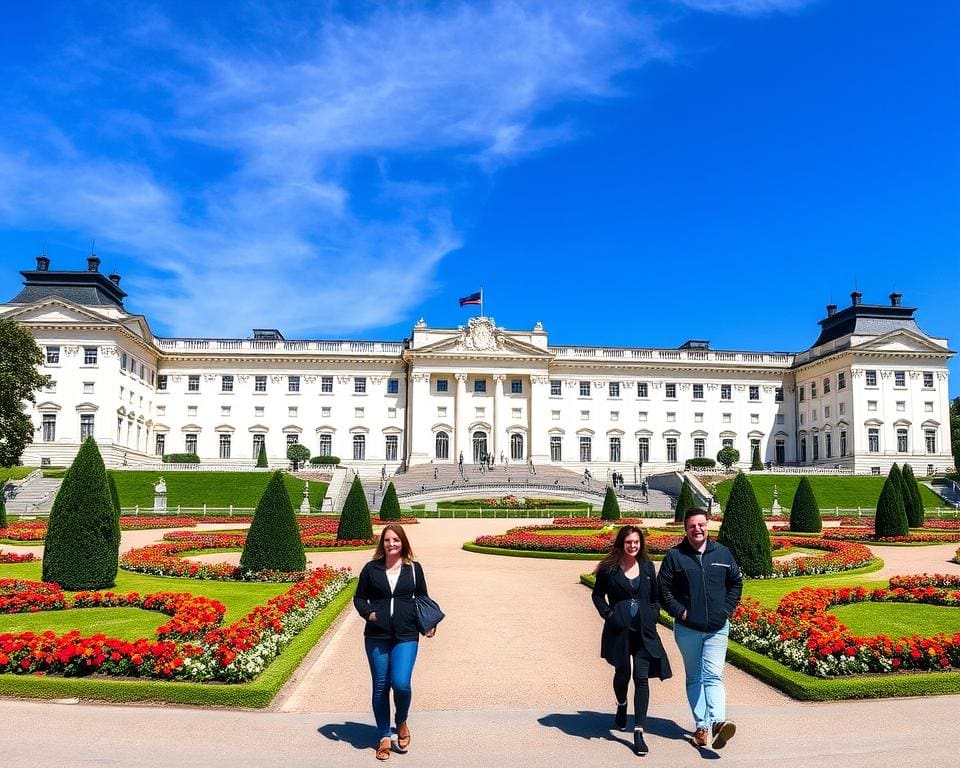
<point x="684" y="501"/>
<point x="355" y="517"/>
<point x="390" y="506"/>
<point x="3" y="509"/>
<point x="805" y="512"/>
<point x="897" y="476"/>
<point x="913" y="501"/>
<point x="755" y="463"/>
<point x="273" y="541"/>
<point x="262" y="456"/>
<point x="891" y="519"/>
<point x="115" y="500"/>
<point x="82" y="545"/>
<point x="743" y="530"/>
<point x="611" y="507"/>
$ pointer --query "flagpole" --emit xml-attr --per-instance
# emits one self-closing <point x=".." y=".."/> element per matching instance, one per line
<point x="481" y="301"/>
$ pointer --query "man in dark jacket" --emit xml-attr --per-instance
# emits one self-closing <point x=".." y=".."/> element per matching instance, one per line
<point x="700" y="585"/>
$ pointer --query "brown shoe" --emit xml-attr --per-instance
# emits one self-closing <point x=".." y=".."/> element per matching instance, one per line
<point x="722" y="733"/>
<point x="383" y="751"/>
<point x="700" y="737"/>
<point x="403" y="737"/>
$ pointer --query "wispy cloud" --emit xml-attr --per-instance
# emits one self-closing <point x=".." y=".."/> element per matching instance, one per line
<point x="745" y="7"/>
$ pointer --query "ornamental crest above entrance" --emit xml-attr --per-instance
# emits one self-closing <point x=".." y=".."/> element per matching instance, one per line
<point x="480" y="335"/>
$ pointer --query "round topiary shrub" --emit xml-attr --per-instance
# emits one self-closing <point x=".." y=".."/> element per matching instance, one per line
<point x="83" y="535"/>
<point x="891" y="518"/>
<point x="684" y="501"/>
<point x="744" y="532"/>
<point x="390" y="506"/>
<point x="611" y="507"/>
<point x="355" y="517"/>
<point x="805" y="512"/>
<point x="728" y="456"/>
<point x="273" y="541"/>
<point x="316" y="460"/>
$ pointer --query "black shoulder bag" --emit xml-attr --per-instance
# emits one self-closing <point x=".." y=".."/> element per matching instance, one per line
<point x="428" y="612"/>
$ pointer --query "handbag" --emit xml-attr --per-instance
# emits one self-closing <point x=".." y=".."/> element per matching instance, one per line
<point x="428" y="612"/>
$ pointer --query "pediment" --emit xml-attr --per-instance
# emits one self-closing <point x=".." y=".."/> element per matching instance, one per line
<point x="56" y="311"/>
<point x="481" y="338"/>
<point x="900" y="340"/>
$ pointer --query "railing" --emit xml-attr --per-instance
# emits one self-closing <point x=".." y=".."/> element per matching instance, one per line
<point x="777" y="359"/>
<point x="277" y="345"/>
<point x="161" y="467"/>
<point x="869" y="512"/>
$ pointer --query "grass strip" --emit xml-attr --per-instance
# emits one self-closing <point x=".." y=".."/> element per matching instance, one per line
<point x="469" y="546"/>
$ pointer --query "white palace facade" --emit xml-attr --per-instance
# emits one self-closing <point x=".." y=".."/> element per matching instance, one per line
<point x="872" y="390"/>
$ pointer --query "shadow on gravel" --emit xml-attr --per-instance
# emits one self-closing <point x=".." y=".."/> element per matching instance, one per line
<point x="357" y="735"/>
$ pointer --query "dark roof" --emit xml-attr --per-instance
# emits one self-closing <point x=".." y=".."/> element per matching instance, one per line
<point x="87" y="288"/>
<point x="866" y="320"/>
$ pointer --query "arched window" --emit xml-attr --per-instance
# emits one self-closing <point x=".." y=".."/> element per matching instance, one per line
<point x="443" y="445"/>
<point x="516" y="446"/>
<point x="359" y="447"/>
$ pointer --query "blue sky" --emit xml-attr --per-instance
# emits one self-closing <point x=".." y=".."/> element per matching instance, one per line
<point x="626" y="173"/>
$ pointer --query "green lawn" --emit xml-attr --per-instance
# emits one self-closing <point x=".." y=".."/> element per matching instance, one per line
<point x="898" y="619"/>
<point x="14" y="473"/>
<point x="125" y="623"/>
<point x="831" y="491"/>
<point x="215" y="489"/>
<point x="769" y="591"/>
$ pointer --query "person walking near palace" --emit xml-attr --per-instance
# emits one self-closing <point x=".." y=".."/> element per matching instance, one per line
<point x="700" y="586"/>
<point x="385" y="599"/>
<point x="626" y="597"/>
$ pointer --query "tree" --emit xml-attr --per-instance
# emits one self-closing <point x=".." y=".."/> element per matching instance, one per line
<point x="913" y="501"/>
<point x="743" y="530"/>
<point x="805" y="512"/>
<point x="755" y="463"/>
<point x="684" y="501"/>
<point x="611" y="507"/>
<point x="19" y="382"/>
<point x="298" y="454"/>
<point x="83" y="535"/>
<point x="273" y="541"/>
<point x="891" y="519"/>
<point x="897" y="476"/>
<point x="262" y="456"/>
<point x="355" y="517"/>
<point x="728" y="456"/>
<point x="390" y="505"/>
<point x="3" y="508"/>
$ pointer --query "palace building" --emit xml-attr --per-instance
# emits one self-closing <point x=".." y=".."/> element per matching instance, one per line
<point x="872" y="390"/>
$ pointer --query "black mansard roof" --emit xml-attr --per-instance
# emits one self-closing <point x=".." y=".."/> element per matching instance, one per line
<point x="866" y="320"/>
<point x="89" y="287"/>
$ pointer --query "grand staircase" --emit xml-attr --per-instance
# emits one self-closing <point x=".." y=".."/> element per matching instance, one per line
<point x="31" y="496"/>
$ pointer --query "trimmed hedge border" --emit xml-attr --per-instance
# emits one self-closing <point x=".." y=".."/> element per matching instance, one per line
<point x="469" y="546"/>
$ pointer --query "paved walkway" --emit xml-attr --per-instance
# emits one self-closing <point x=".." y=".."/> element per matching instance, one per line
<point x="513" y="676"/>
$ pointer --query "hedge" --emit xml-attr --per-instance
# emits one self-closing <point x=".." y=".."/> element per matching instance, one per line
<point x="181" y="458"/>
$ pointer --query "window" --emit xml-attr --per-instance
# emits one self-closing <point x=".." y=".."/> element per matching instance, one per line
<point x="584" y="415"/>
<point x="643" y="389"/>
<point x="726" y="418"/>
<point x="670" y="391"/>
<point x="162" y="382"/>
<point x="584" y="389"/>
<point x="873" y="440"/>
<point x="698" y="391"/>
<point x="556" y="450"/>
<point x="225" y="410"/>
<point x="826" y="411"/>
<point x="191" y="410"/>
<point x="613" y="389"/>
<point x="391" y="413"/>
<point x="516" y="413"/>
<point x="142" y="371"/>
<point x="870" y="378"/>
<point x="49" y="430"/>
<point x="614" y="415"/>
<point x="671" y="449"/>
<point x="224" y="446"/>
<point x="226" y="383"/>
<point x="813" y="390"/>
<point x="698" y="417"/>
<point x="555" y="388"/>
<point x="901" y="440"/>
<point x="443" y="445"/>
<point x="727" y="442"/>
<point x="828" y="445"/>
<point x="479" y="413"/>
<point x="699" y="447"/>
<point x="292" y="412"/>
<point x="193" y="383"/>
<point x="642" y="415"/>
<point x="901" y="405"/>
<point x="358" y="413"/>
<point x="781" y="418"/>
<point x="803" y="450"/>
<point x="516" y="387"/>
<point x="390" y="449"/>
<point x="443" y="385"/>
<point x="899" y="378"/>
<point x="53" y="355"/>
<point x="259" y="383"/>
<point x="123" y="358"/>
<point x="326" y="384"/>
<point x="359" y="447"/>
<point x="780" y="451"/>
<point x="159" y="444"/>
<point x="614" y="449"/>
<point x="842" y="380"/>
<point x="480" y="385"/>
<point x="927" y="380"/>
<point x="190" y="442"/>
<point x="643" y="449"/>
<point x="90" y="356"/>
<point x="871" y="405"/>
<point x="778" y="395"/>
<point x="516" y="447"/>
<point x="359" y="385"/>
<point x="841" y="408"/>
<point x="441" y="411"/>
<point x="259" y="442"/>
<point x="293" y="383"/>
<point x="928" y="406"/>
<point x="754" y="392"/>
<point x="393" y="386"/>
<point x="816" y="446"/>
<point x="755" y="417"/>
<point x="585" y="448"/>
<point x="726" y="392"/>
<point x="754" y="445"/>
<point x="930" y="440"/>
<point x="555" y="415"/>
<point x="88" y="388"/>
<point x="802" y="394"/>
<point x="671" y="415"/>
<point x="843" y="442"/>
<point x="326" y="445"/>
<point x="326" y="411"/>
<point x="802" y="418"/>
<point x="826" y="386"/>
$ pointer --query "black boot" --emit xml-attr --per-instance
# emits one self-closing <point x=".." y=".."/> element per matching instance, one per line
<point x="621" y="717"/>
<point x="639" y="745"/>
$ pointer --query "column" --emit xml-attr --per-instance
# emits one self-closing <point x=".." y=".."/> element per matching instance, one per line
<point x="539" y="440"/>
<point x="498" y="440"/>
<point x="461" y="438"/>
<point x="419" y="405"/>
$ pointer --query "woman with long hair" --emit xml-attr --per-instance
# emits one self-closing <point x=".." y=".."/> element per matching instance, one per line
<point x="385" y="599"/>
<point x="625" y="595"/>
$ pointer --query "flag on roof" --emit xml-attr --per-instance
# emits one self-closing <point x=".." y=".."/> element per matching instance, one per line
<point x="473" y="298"/>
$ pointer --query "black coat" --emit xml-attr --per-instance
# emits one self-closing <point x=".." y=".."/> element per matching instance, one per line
<point x="373" y="595"/>
<point x="612" y="595"/>
<point x="707" y="586"/>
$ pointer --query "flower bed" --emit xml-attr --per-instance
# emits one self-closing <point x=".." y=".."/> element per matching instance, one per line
<point x="838" y="556"/>
<point x="13" y="557"/>
<point x="25" y="530"/>
<point x="867" y="534"/>
<point x="942" y="525"/>
<point x="235" y="653"/>
<point x="803" y="636"/>
<point x="138" y="523"/>
<point x="401" y="521"/>
<point x="21" y="596"/>
<point x="513" y="502"/>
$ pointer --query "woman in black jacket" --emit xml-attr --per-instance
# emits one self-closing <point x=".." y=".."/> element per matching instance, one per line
<point x="625" y="594"/>
<point x="385" y="599"/>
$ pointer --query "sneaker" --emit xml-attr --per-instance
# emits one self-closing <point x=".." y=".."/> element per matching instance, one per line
<point x="722" y="733"/>
<point x="639" y="745"/>
<point x="621" y="717"/>
<point x="700" y="737"/>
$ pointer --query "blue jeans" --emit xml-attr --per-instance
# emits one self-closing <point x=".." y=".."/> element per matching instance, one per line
<point x="703" y="656"/>
<point x="391" y="666"/>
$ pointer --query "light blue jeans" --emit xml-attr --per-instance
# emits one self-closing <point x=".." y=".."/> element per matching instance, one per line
<point x="703" y="655"/>
<point x="391" y="666"/>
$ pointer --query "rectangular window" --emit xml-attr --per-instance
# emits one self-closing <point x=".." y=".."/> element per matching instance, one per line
<point x="516" y="387"/>
<point x="226" y="383"/>
<point x="49" y="421"/>
<point x="873" y="440"/>
<point x="901" y="440"/>
<point x="643" y="389"/>
<point x="813" y="390"/>
<point x="802" y="418"/>
<point x="259" y="383"/>
<point x="359" y="385"/>
<point x="123" y="360"/>
<point x="816" y="446"/>
<point x="291" y="412"/>
<point x="89" y="355"/>
<point x="159" y="444"/>
<point x="293" y="383"/>
<point x="556" y="448"/>
<point x="899" y="378"/>
<point x="754" y="392"/>
<point x="870" y="378"/>
<point x="828" y="445"/>
<point x="162" y="382"/>
<point x="480" y="385"/>
<point x="643" y="449"/>
<point x="258" y="411"/>
<point x="671" y="449"/>
<point x="443" y="385"/>
<point x="224" y="446"/>
<point x="755" y="417"/>
<point x="841" y="408"/>
<point x="928" y="406"/>
<point x="326" y="411"/>
<point x="293" y="438"/>
<point x="393" y="386"/>
<point x="225" y="410"/>
<point x="642" y="415"/>
<point x="326" y="445"/>
<point x="441" y="412"/>
<point x="901" y="405"/>
<point x="841" y="380"/>
<point x="726" y="392"/>
<point x="191" y="410"/>
<point x="930" y="440"/>
<point x="613" y="389"/>
<point x="53" y="355"/>
<point x="359" y="447"/>
<point x="515" y="413"/>
<point x="614" y="449"/>
<point x="726" y="417"/>
<point x="390" y="450"/>
<point x="671" y="415"/>
<point x="826" y="385"/>
<point x="190" y="443"/>
<point x="326" y="384"/>
<point x="802" y="394"/>
<point x="88" y="387"/>
<point x="358" y="413"/>
<point x="584" y="415"/>
<point x="193" y="383"/>
<point x="585" y="448"/>
<point x="726" y="442"/>
<point x="555" y="415"/>
<point x="843" y="442"/>
<point x="699" y="447"/>
<point x="803" y="450"/>
<point x="584" y="389"/>
<point x="670" y="391"/>
<point x="555" y="388"/>
<point x="391" y="413"/>
<point x="698" y="417"/>
<point x="927" y="380"/>
<point x="781" y="418"/>
<point x="614" y="415"/>
<point x="698" y="391"/>
<point x="871" y="405"/>
<point x="778" y="395"/>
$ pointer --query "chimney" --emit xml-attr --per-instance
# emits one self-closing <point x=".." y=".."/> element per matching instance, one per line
<point x="43" y="264"/>
<point x="855" y="297"/>
<point x="93" y="264"/>
<point x="831" y="310"/>
<point x="895" y="299"/>
<point x="115" y="279"/>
